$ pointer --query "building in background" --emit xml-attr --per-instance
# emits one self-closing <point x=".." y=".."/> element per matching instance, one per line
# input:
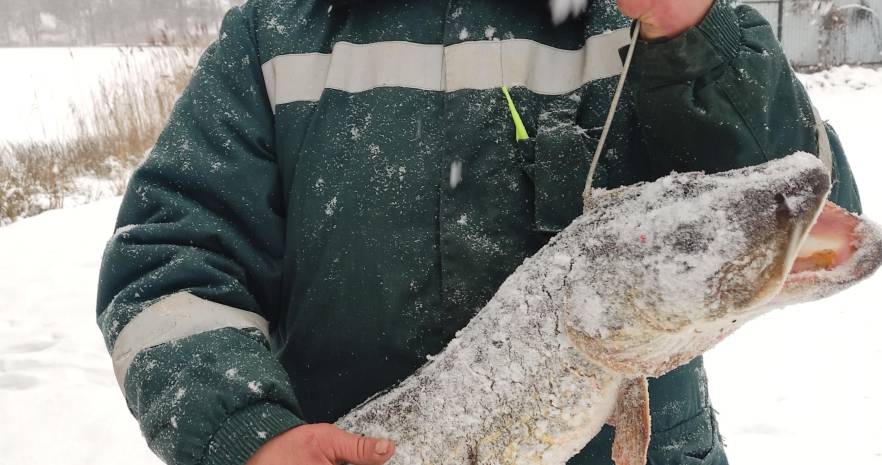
<point x="823" y="33"/>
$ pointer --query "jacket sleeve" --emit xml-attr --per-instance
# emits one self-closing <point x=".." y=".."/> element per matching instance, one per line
<point x="722" y="96"/>
<point x="190" y="281"/>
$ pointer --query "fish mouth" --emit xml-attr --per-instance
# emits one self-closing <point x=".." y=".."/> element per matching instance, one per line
<point x="832" y="241"/>
<point x="840" y="250"/>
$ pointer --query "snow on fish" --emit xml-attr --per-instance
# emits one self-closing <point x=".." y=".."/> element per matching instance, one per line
<point x="563" y="9"/>
<point x="650" y="277"/>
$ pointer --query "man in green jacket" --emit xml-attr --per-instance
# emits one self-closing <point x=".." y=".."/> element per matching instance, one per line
<point x="341" y="188"/>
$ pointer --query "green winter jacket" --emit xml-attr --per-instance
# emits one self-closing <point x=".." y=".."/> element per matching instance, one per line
<point x="339" y="190"/>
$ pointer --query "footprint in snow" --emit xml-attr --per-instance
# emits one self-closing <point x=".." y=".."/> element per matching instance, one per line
<point x="27" y="347"/>
<point x="17" y="382"/>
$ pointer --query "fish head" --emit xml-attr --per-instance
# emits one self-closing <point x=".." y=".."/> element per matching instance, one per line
<point x="676" y="265"/>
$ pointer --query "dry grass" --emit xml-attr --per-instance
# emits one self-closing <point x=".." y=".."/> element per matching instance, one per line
<point x="112" y="137"/>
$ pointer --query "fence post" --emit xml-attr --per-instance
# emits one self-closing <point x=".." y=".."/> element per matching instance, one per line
<point x="780" y="20"/>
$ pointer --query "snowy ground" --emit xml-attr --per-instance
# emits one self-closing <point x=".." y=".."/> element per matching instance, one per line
<point x="59" y="402"/>
<point x="794" y="387"/>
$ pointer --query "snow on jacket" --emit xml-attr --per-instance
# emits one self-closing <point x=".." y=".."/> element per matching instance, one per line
<point x="340" y="189"/>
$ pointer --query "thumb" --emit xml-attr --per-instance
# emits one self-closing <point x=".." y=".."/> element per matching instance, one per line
<point x="360" y="450"/>
<point x="635" y="8"/>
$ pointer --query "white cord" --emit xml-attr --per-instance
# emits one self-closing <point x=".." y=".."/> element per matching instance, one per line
<point x="586" y="194"/>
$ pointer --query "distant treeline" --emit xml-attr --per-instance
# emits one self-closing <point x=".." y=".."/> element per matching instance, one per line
<point x="98" y="22"/>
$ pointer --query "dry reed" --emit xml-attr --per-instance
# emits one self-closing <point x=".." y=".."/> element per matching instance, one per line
<point x="113" y="136"/>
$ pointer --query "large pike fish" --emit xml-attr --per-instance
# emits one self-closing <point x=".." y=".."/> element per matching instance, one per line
<point x="651" y="276"/>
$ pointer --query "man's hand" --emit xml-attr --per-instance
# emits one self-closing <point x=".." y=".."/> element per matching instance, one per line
<point x="322" y="444"/>
<point x="665" y="18"/>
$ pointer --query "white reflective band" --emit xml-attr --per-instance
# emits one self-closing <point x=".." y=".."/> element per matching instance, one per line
<point x="295" y="78"/>
<point x="357" y="68"/>
<point x="176" y="317"/>
<point x="469" y="65"/>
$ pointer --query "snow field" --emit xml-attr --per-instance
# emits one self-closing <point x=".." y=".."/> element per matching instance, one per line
<point x="62" y="81"/>
<point x="59" y="401"/>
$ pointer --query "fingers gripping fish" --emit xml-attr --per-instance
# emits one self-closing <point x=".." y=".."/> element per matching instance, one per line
<point x="651" y="276"/>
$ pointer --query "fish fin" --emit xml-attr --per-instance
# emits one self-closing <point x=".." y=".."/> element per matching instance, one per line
<point x="632" y="423"/>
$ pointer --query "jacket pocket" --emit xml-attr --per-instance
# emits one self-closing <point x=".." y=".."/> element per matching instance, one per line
<point x="558" y="171"/>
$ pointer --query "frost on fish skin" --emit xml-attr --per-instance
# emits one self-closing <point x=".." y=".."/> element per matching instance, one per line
<point x="650" y="277"/>
<point x="561" y="10"/>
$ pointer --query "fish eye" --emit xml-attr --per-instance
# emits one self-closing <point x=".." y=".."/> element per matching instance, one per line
<point x="780" y="199"/>
<point x="783" y="211"/>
